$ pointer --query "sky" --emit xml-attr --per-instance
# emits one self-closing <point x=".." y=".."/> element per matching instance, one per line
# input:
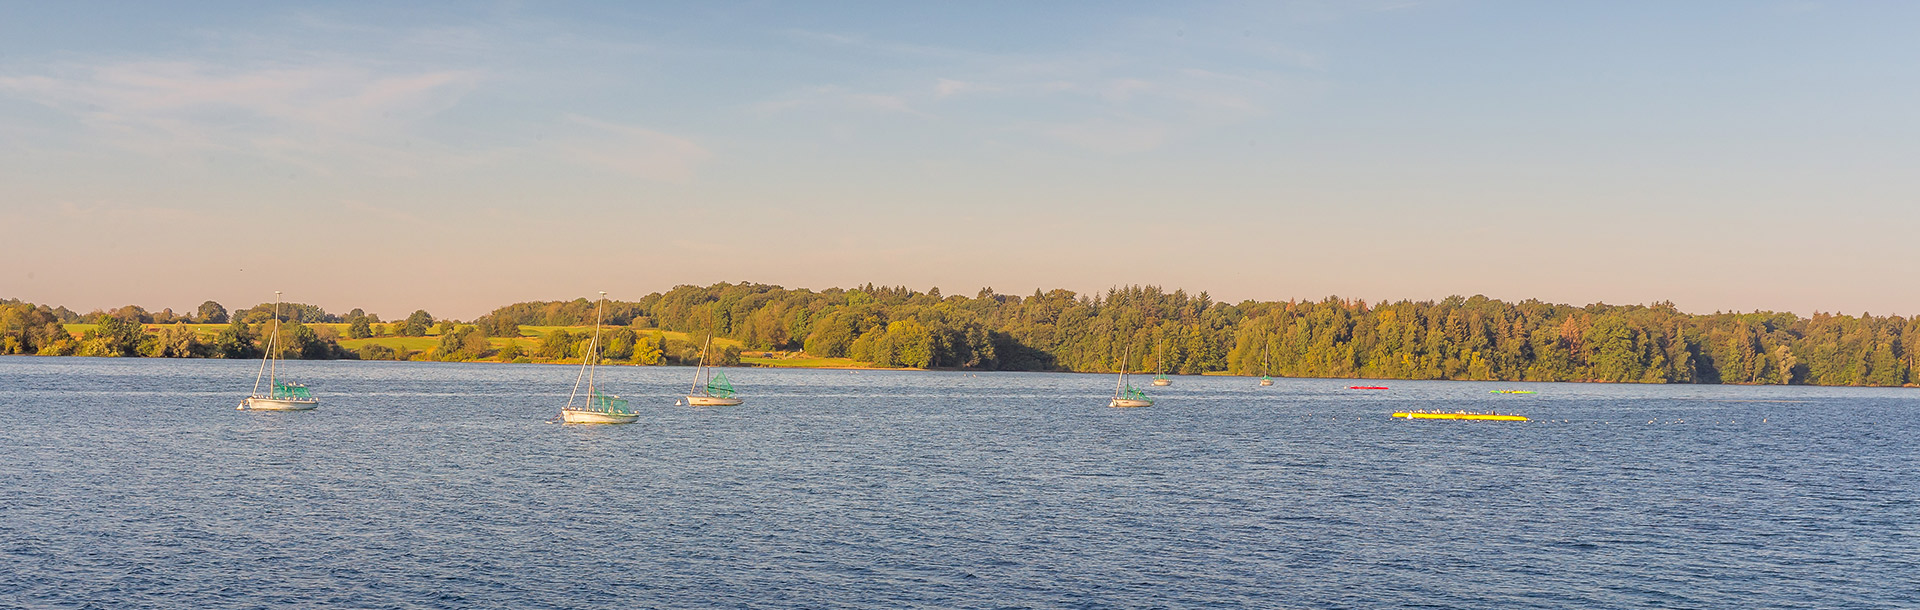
<point x="457" y="157"/>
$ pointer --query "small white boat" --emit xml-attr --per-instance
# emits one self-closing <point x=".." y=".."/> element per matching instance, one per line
<point x="1125" y="396"/>
<point x="717" y="391"/>
<point x="291" y="403"/>
<point x="1266" y="381"/>
<point x="597" y="408"/>
<point x="579" y="416"/>
<point x="1162" y="380"/>
<point x="281" y="395"/>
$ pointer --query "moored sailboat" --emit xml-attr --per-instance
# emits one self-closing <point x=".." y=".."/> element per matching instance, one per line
<point x="596" y="408"/>
<point x="1124" y="394"/>
<point x="1160" y="372"/>
<point x="281" y="395"/>
<point x="1265" y="380"/>
<point x="717" y="391"/>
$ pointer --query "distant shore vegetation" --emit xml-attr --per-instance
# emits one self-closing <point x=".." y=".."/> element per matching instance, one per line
<point x="1464" y="338"/>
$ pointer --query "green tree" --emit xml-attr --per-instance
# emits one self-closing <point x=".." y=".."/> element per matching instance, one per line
<point x="375" y="351"/>
<point x="416" y="324"/>
<point x="832" y="336"/>
<point x="647" y="350"/>
<point x="175" y="340"/>
<point x="499" y="326"/>
<point x="297" y="341"/>
<point x="234" y="341"/>
<point x="462" y="343"/>
<point x="359" y="328"/>
<point x="114" y="336"/>
<point x="557" y="344"/>
<point x="870" y="347"/>
<point x="618" y="343"/>
<point x="211" y="313"/>
<point x="911" y="344"/>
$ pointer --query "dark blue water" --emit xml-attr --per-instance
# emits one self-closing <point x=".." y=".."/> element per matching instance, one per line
<point x="134" y="483"/>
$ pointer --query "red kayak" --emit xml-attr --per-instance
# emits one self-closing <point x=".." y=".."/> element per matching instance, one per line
<point x="1366" y="387"/>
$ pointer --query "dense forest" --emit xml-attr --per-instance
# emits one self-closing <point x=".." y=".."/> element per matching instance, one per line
<point x="1174" y="332"/>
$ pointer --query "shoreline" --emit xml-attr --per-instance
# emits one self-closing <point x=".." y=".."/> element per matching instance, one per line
<point x="745" y="365"/>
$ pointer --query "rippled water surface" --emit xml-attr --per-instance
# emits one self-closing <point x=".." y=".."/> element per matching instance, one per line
<point x="134" y="483"/>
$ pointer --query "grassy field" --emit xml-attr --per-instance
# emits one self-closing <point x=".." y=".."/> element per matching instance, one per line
<point x="806" y="363"/>
<point x="529" y="340"/>
<point x="418" y="344"/>
<point x="208" y="331"/>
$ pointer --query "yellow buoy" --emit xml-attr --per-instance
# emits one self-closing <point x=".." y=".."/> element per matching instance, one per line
<point x="1480" y="416"/>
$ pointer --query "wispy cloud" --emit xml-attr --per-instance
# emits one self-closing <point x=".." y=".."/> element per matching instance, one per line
<point x="1097" y="100"/>
<point x="629" y="149"/>
<point x="296" y="113"/>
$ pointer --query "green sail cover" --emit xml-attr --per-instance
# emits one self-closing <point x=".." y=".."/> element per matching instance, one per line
<point x="289" y="391"/>
<point x="605" y="403"/>
<point x="1133" y="393"/>
<point x="719" y="386"/>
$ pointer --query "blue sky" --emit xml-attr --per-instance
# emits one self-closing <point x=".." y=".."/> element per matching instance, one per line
<point x="456" y="157"/>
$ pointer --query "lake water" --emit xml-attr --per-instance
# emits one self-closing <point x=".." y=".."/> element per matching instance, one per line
<point x="128" y="483"/>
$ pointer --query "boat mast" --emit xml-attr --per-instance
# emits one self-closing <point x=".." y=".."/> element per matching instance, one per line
<point x="264" y="356"/>
<point x="701" y="366"/>
<point x="586" y="362"/>
<point x="593" y="345"/>
<point x="273" y="346"/>
<point x="1263" y="358"/>
<point x="1123" y="370"/>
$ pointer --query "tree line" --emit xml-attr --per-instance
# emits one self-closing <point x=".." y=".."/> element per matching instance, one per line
<point x="26" y="328"/>
<point x="1151" y="329"/>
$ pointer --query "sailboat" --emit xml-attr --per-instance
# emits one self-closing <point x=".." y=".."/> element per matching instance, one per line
<point x="1124" y="394"/>
<point x="281" y="395"/>
<point x="1264" y="379"/>
<point x="717" y="392"/>
<point x="1159" y="373"/>
<point x="597" y="408"/>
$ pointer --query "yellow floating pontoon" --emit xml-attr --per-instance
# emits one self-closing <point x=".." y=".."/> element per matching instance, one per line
<point x="1485" y="416"/>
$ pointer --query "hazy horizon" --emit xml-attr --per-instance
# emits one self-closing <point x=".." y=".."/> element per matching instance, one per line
<point x="1722" y="156"/>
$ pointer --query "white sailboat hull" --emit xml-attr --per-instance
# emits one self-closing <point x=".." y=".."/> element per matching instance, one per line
<point x="1163" y="382"/>
<point x="711" y="401"/>
<point x="1128" y="403"/>
<point x="595" y="417"/>
<point x="1266" y="382"/>
<point x="262" y="403"/>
